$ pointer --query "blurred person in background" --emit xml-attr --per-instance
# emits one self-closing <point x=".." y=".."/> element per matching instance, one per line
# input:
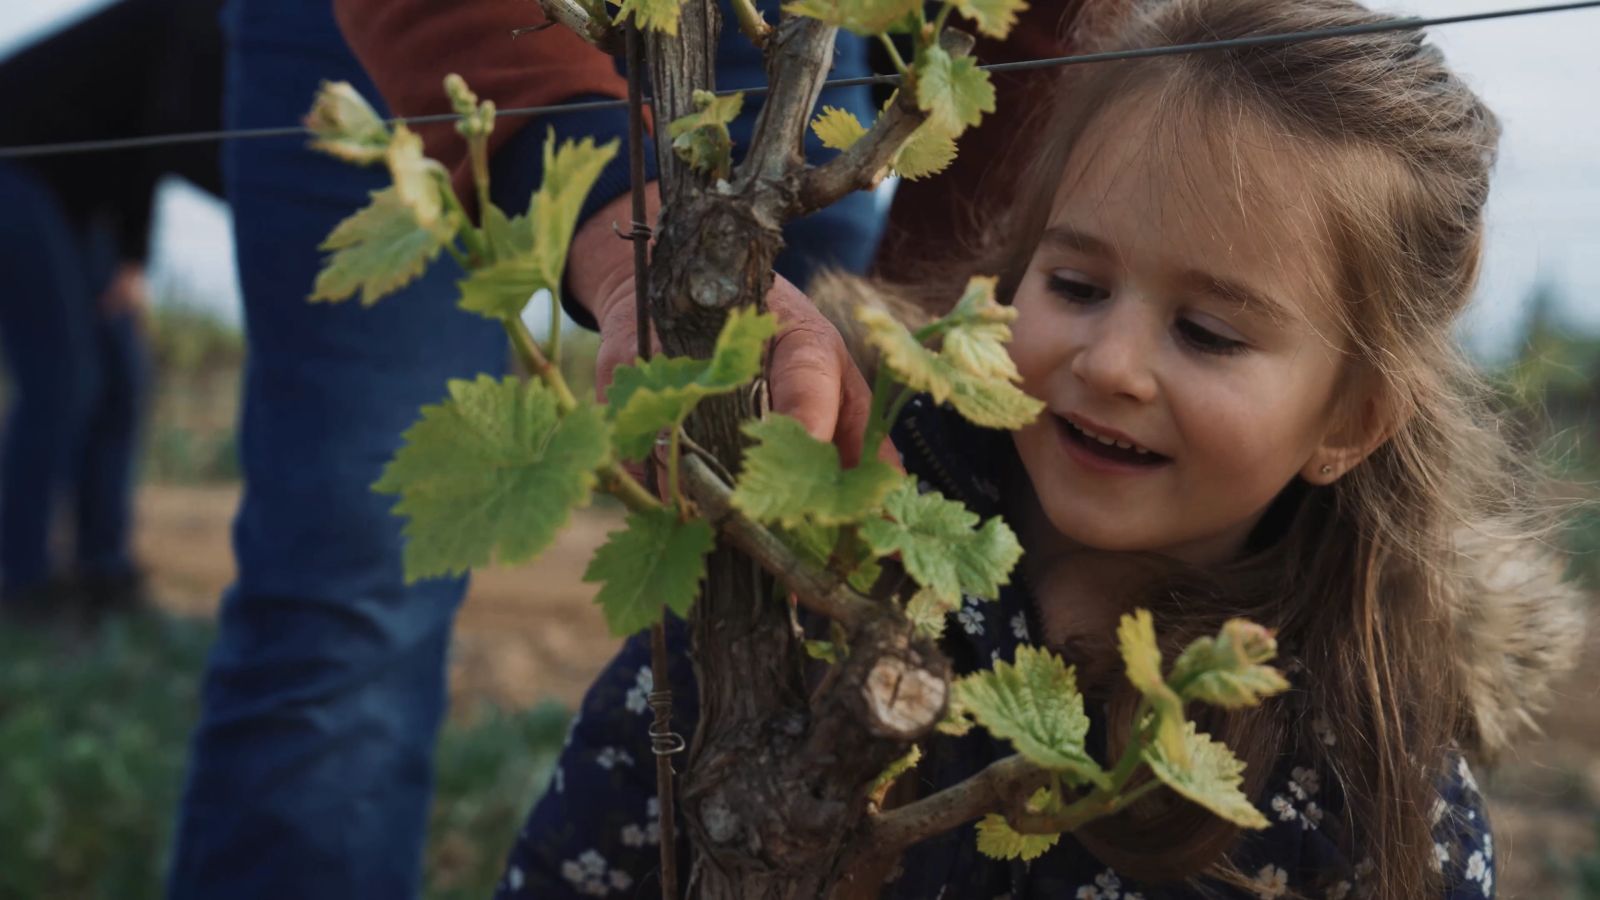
<point x="311" y="769"/>
<point x="74" y="237"/>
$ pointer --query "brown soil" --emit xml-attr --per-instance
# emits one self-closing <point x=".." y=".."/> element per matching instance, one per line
<point x="531" y="632"/>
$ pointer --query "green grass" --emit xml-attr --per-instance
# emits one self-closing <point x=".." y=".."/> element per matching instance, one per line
<point x="93" y="738"/>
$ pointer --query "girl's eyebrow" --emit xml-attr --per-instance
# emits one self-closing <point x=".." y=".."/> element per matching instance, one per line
<point x="1072" y="239"/>
<point x="1235" y="292"/>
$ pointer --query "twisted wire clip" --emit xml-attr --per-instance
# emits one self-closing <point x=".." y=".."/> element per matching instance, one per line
<point x="663" y="740"/>
<point x="639" y="231"/>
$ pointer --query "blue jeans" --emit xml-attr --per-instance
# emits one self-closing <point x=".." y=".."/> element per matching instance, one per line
<point x="77" y="379"/>
<point x="310" y="774"/>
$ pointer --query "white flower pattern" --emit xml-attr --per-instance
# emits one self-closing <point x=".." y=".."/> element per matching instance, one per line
<point x="1271" y="882"/>
<point x="638" y="699"/>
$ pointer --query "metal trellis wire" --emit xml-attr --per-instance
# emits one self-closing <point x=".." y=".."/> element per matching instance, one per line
<point x="1411" y="23"/>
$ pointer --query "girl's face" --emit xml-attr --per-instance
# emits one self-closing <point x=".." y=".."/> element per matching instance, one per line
<point x="1177" y="307"/>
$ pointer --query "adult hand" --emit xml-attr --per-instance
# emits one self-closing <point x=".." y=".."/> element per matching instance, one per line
<point x="810" y="374"/>
<point x="128" y="292"/>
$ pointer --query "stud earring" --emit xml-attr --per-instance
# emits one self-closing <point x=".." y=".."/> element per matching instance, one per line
<point x="1327" y="470"/>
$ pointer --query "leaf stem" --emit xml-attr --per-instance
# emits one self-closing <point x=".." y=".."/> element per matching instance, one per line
<point x="674" y="453"/>
<point x="894" y="55"/>
<point x="555" y="327"/>
<point x="939" y="20"/>
<point x="470" y="236"/>
<point x="878" y="424"/>
<point x="528" y="351"/>
<point x="616" y="481"/>
<point x="752" y="23"/>
<point x="462" y="260"/>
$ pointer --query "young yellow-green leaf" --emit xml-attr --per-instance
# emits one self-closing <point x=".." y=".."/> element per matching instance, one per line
<point x="1136" y="640"/>
<point x="886" y="778"/>
<point x="926" y="153"/>
<point x="500" y="289"/>
<point x="1228" y="670"/>
<point x="957" y="721"/>
<point x="1035" y="705"/>
<point x="838" y="128"/>
<point x="994" y="18"/>
<point x="928" y="611"/>
<point x="823" y="651"/>
<point x="989" y="401"/>
<point x="1211" y="777"/>
<point x="954" y="92"/>
<point x="656" y="560"/>
<point x="791" y="477"/>
<point x="494" y="471"/>
<point x="701" y="138"/>
<point x="346" y="126"/>
<point x="379" y="250"/>
<point x="569" y="172"/>
<point x="656" y="15"/>
<point x="994" y="403"/>
<point x="658" y="393"/>
<point x="508" y="238"/>
<point x="976" y="342"/>
<point x="864" y="17"/>
<point x="477" y="119"/>
<point x="418" y="180"/>
<point x="941" y="545"/>
<point x="998" y="840"/>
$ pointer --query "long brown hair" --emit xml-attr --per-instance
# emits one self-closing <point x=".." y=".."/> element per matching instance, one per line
<point x="1361" y="578"/>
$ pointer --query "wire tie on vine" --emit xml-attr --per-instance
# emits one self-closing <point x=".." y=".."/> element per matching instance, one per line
<point x="663" y="740"/>
<point x="639" y="231"/>
<point x="529" y="29"/>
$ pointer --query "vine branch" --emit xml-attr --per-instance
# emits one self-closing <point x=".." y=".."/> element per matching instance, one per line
<point x="817" y="589"/>
<point x="582" y="20"/>
<point x="997" y="787"/>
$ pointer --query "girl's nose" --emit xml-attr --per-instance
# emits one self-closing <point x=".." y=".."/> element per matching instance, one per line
<point x="1117" y="357"/>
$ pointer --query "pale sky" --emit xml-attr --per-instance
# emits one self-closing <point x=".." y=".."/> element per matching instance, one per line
<point x="1541" y="74"/>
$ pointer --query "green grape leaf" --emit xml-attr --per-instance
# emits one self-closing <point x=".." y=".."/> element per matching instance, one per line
<point x="570" y="170"/>
<point x="656" y="15"/>
<point x="346" y="126"/>
<point x="941" y="545"/>
<point x="791" y="477"/>
<point x="494" y="471"/>
<point x="994" y="18"/>
<point x="998" y="840"/>
<point x="954" y="92"/>
<point x="1136" y="640"/>
<point x="818" y="542"/>
<point x="659" y="392"/>
<point x="378" y="250"/>
<point x="976" y="341"/>
<point x="1035" y="705"/>
<point x="989" y="401"/>
<point x="838" y="128"/>
<point x="530" y="252"/>
<point x="656" y="560"/>
<point x="929" y="610"/>
<point x="701" y="138"/>
<point x="1210" y="777"/>
<point x="418" y="180"/>
<point x="867" y="18"/>
<point x="1228" y="670"/>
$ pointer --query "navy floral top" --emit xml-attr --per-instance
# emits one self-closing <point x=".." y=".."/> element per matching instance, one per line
<point x="594" y="832"/>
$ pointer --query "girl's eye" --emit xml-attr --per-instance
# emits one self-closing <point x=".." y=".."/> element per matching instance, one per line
<point x="1207" y="341"/>
<point x="1076" y="290"/>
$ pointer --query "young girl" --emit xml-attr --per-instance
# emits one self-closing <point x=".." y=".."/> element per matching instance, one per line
<point x="1235" y="292"/>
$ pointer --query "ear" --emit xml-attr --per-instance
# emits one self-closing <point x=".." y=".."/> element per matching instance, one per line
<point x="1353" y="434"/>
